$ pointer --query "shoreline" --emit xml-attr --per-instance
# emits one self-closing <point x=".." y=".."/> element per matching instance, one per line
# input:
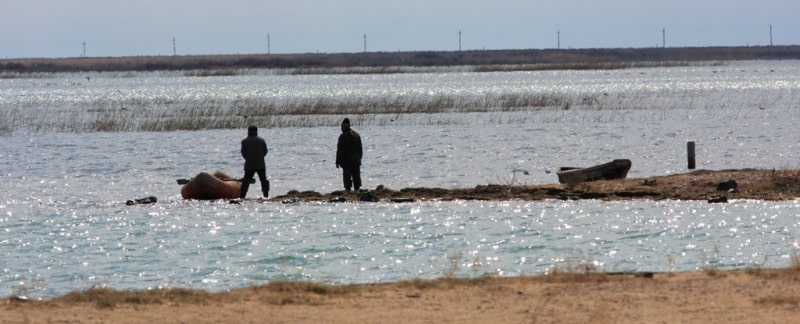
<point x="756" y="184"/>
<point x="386" y="62"/>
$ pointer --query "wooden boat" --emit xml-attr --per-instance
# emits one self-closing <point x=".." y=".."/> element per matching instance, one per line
<point x="617" y="169"/>
<point x="211" y="186"/>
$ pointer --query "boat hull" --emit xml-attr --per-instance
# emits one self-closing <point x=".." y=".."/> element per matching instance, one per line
<point x="616" y="169"/>
<point x="206" y="186"/>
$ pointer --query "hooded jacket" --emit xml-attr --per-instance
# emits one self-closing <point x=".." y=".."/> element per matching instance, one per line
<point x="254" y="149"/>
<point x="348" y="149"/>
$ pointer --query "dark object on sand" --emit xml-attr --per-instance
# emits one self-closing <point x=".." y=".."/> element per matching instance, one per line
<point x="337" y="199"/>
<point x="401" y="200"/>
<point x="717" y="199"/>
<point x="142" y="201"/>
<point x="616" y="169"/>
<point x="729" y="185"/>
<point x="368" y="196"/>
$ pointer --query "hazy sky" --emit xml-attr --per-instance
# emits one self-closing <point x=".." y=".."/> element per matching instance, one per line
<point x="59" y="28"/>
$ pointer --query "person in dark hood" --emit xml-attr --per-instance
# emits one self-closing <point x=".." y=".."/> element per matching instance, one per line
<point x="254" y="149"/>
<point x="348" y="156"/>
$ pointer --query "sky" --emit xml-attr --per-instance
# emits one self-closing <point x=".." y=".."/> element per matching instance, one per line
<point x="101" y="28"/>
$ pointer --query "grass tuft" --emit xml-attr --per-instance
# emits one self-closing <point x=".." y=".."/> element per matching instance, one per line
<point x="108" y="298"/>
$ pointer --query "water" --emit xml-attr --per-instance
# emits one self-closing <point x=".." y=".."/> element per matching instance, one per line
<point x="65" y="225"/>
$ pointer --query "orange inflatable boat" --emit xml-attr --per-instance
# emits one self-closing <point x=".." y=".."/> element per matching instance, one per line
<point x="211" y="186"/>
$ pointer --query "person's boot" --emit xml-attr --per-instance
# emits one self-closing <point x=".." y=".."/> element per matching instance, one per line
<point x="243" y="190"/>
<point x="265" y="189"/>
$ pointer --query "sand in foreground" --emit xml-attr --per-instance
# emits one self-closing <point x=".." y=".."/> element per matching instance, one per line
<point x="755" y="296"/>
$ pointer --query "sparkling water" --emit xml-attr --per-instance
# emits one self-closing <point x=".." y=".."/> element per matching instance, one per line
<point x="65" y="225"/>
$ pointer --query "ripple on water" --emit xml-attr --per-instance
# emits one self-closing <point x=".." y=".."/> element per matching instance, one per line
<point x="64" y="224"/>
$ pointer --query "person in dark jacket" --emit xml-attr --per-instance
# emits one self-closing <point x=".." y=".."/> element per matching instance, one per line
<point x="254" y="149"/>
<point x="348" y="156"/>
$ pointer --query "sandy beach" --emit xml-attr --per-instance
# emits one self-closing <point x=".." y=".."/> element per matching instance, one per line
<point x="712" y="296"/>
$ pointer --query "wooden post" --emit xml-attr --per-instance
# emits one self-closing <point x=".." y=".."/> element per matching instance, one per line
<point x="690" y="154"/>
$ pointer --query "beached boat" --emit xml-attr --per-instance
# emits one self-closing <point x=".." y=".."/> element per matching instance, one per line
<point x="211" y="186"/>
<point x="617" y="169"/>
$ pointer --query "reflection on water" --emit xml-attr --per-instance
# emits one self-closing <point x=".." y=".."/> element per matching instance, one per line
<point x="218" y="246"/>
<point x="65" y="225"/>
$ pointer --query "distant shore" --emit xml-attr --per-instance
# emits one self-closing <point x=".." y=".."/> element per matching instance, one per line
<point x="382" y="62"/>
<point x="757" y="184"/>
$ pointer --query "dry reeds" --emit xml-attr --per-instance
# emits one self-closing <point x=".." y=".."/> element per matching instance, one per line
<point x="161" y="114"/>
<point x="109" y="298"/>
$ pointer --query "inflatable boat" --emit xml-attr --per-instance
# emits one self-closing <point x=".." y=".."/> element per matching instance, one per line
<point x="207" y="186"/>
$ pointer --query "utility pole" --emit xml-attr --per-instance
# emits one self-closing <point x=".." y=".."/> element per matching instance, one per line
<point x="268" y="49"/>
<point x="663" y="38"/>
<point x="770" y="34"/>
<point x="459" y="40"/>
<point x="558" y="35"/>
<point x="174" y="50"/>
<point x="365" y="42"/>
<point x="84" y="49"/>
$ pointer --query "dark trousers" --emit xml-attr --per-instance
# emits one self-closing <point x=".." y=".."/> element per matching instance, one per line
<point x="352" y="177"/>
<point x="248" y="175"/>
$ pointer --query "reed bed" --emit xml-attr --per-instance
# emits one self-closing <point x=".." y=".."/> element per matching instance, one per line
<point x="490" y="105"/>
<point x="161" y="114"/>
<point x="164" y="114"/>
<point x="364" y="70"/>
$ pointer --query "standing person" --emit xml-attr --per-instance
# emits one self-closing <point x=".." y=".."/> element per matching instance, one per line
<point x="254" y="149"/>
<point x="348" y="156"/>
